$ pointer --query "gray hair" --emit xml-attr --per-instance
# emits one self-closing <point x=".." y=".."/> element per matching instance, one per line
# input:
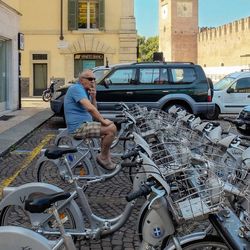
<point x="84" y="73"/>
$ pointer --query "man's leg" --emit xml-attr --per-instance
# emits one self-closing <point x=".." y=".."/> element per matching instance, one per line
<point x="108" y="135"/>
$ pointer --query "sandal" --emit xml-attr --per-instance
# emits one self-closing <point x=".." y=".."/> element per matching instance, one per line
<point x="107" y="166"/>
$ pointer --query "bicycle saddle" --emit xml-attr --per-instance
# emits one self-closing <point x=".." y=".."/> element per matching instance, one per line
<point x="55" y="152"/>
<point x="40" y="204"/>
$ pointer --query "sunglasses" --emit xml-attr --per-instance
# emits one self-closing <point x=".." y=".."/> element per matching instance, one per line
<point x="89" y="78"/>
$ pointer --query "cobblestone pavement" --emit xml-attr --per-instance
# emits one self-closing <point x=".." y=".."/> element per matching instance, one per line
<point x="106" y="199"/>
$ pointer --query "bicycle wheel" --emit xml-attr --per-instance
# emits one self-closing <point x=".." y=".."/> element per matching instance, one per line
<point x="49" y="172"/>
<point x="64" y="141"/>
<point x="210" y="243"/>
<point x="16" y="216"/>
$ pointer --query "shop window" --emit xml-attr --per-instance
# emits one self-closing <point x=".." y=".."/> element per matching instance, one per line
<point x="85" y="14"/>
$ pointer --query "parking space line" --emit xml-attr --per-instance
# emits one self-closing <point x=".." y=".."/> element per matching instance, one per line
<point x="6" y="182"/>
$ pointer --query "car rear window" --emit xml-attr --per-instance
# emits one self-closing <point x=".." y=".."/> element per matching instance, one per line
<point x="183" y="75"/>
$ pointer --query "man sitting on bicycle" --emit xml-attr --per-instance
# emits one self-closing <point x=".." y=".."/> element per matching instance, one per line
<point x="80" y="109"/>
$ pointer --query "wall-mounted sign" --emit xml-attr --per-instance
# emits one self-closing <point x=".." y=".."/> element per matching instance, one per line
<point x="89" y="56"/>
<point x="20" y="41"/>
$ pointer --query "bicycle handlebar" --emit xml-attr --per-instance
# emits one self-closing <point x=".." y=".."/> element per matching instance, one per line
<point x="130" y="154"/>
<point x="143" y="190"/>
<point x="216" y="124"/>
<point x="121" y="106"/>
<point x="126" y="138"/>
<point x="129" y="164"/>
<point x="122" y="121"/>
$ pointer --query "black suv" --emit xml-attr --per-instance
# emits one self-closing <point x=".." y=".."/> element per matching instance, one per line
<point x="156" y="85"/>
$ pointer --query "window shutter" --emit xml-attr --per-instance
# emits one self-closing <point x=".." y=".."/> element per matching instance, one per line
<point x="72" y="14"/>
<point x="102" y="14"/>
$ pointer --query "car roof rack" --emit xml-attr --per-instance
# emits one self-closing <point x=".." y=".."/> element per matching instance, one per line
<point x="172" y="62"/>
<point x="179" y="63"/>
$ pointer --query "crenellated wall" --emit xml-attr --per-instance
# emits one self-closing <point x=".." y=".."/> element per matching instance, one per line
<point x="226" y="45"/>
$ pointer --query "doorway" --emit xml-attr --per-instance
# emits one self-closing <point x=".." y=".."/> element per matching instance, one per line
<point x="40" y="76"/>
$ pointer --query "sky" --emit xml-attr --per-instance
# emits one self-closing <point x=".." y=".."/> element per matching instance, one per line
<point x="212" y="13"/>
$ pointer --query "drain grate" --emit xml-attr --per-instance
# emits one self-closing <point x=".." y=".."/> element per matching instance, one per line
<point x="6" y="117"/>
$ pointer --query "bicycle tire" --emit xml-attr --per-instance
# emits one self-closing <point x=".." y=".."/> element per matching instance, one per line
<point x="16" y="216"/>
<point x="208" y="243"/>
<point x="48" y="172"/>
<point x="64" y="141"/>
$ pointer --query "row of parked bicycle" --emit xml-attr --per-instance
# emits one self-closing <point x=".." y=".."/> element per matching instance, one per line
<point x="193" y="176"/>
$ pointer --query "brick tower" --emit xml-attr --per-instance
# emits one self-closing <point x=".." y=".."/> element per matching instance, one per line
<point x="178" y="29"/>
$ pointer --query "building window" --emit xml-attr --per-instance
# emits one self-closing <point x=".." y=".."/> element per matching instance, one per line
<point x="88" y="14"/>
<point x="85" y="14"/>
<point x="39" y="57"/>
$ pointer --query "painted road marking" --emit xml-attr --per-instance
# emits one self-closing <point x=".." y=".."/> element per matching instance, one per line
<point x="6" y="182"/>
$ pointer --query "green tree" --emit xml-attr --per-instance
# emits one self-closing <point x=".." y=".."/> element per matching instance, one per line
<point x="147" y="47"/>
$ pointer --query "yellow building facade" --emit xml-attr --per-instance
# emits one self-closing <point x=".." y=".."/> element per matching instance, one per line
<point x="64" y="37"/>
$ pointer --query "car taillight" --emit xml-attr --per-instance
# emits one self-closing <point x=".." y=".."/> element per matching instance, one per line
<point x="209" y="95"/>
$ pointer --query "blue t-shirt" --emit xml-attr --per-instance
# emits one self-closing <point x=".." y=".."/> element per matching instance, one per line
<point x="75" y="113"/>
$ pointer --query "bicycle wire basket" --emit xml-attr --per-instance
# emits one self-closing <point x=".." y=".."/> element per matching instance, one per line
<point x="170" y="156"/>
<point x="150" y="121"/>
<point x="230" y="169"/>
<point x="162" y="116"/>
<point x="195" y="193"/>
<point x="138" y="112"/>
<point x="147" y="127"/>
<point x="193" y="139"/>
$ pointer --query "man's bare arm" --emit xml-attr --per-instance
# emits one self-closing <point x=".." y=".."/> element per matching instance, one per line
<point x="94" y="112"/>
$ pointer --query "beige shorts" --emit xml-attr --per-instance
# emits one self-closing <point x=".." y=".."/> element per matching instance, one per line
<point x="88" y="130"/>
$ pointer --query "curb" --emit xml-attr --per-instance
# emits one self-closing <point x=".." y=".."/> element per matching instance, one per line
<point x="16" y="134"/>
